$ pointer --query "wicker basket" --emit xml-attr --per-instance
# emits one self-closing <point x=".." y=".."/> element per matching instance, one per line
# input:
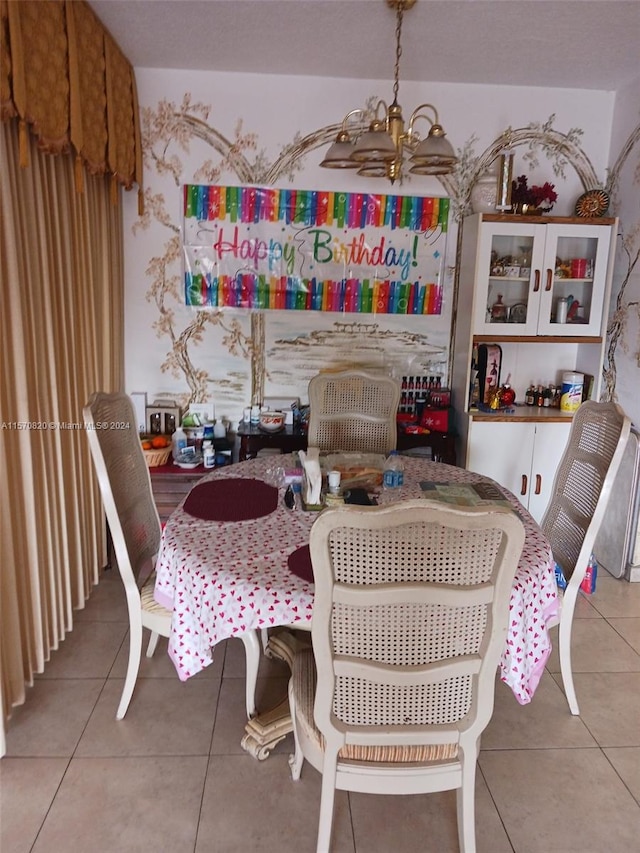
<point x="157" y="457"/>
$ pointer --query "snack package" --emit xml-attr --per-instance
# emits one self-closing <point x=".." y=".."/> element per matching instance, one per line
<point x="560" y="578"/>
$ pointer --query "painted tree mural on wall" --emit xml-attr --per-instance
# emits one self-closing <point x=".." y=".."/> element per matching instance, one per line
<point x="169" y="131"/>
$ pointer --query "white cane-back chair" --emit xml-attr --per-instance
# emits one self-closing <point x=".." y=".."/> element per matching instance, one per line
<point x="353" y="410"/>
<point x="581" y="491"/>
<point x="409" y="621"/>
<point x="125" y="487"/>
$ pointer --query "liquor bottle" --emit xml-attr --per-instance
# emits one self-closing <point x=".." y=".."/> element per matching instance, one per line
<point x="539" y="396"/>
<point x="530" y="395"/>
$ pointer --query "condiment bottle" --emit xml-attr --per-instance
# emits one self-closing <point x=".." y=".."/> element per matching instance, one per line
<point x="498" y="311"/>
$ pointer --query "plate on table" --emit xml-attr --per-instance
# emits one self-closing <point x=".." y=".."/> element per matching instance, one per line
<point x="190" y="463"/>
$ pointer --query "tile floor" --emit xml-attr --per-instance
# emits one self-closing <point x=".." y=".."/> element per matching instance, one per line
<point x="172" y="775"/>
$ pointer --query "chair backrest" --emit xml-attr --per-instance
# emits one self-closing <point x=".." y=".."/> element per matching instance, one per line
<point x="583" y="483"/>
<point x="409" y="621"/>
<point x="125" y="484"/>
<point x="353" y="410"/>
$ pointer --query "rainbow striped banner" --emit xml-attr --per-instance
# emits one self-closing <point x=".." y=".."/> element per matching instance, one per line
<point x="262" y="248"/>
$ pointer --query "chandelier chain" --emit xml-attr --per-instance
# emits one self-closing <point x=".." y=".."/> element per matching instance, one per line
<point x="396" y="69"/>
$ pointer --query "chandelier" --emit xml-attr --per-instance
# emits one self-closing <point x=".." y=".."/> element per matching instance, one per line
<point x="379" y="152"/>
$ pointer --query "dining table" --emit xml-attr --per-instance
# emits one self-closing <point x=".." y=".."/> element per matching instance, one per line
<point x="234" y="558"/>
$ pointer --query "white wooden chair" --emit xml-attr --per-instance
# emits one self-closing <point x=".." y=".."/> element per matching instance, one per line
<point x="125" y="487"/>
<point x="581" y="490"/>
<point x="353" y="410"/>
<point x="409" y="621"/>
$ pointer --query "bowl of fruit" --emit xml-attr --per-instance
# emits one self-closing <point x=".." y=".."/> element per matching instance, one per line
<point x="156" y="449"/>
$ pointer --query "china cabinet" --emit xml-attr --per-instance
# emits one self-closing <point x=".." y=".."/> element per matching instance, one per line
<point x="524" y="269"/>
<point x="538" y="289"/>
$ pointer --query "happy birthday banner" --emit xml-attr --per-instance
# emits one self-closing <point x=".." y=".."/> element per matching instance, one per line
<point x="265" y="248"/>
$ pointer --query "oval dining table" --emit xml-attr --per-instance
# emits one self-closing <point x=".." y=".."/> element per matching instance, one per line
<point x="234" y="561"/>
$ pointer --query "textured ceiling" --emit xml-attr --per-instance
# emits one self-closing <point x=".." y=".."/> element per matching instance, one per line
<point x="584" y="44"/>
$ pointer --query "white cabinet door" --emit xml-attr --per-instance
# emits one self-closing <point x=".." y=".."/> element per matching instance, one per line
<point x="522" y="456"/>
<point x="509" y="259"/>
<point x="504" y="452"/>
<point x="574" y="269"/>
<point x="550" y="442"/>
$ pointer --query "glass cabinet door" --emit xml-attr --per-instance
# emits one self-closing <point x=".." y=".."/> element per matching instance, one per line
<point x="574" y="280"/>
<point x="508" y="282"/>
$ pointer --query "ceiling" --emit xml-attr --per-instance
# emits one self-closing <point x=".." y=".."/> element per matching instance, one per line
<point x="583" y="44"/>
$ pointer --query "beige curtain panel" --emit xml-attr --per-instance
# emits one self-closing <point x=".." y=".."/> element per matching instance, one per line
<point x="61" y="338"/>
<point x="64" y="77"/>
<point x="65" y="89"/>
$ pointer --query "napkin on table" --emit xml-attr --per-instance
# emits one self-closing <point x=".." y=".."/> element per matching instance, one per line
<point x="312" y="475"/>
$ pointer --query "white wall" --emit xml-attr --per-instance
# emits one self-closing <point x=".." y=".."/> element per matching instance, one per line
<point x="275" y="109"/>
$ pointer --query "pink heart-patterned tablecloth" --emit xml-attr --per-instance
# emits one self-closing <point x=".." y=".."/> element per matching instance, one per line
<point x="222" y="578"/>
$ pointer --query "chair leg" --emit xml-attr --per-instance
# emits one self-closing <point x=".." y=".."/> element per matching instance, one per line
<point x="264" y="638"/>
<point x="135" y="651"/>
<point x="564" y="648"/>
<point x="252" y="653"/>
<point x="153" y="642"/>
<point x="466" y="805"/>
<point x="327" y="797"/>
<point x="297" y="759"/>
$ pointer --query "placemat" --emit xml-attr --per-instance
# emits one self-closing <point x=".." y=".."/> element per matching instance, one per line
<point x="300" y="564"/>
<point x="232" y="499"/>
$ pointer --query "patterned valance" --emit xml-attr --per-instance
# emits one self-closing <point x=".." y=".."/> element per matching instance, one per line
<point x="62" y="74"/>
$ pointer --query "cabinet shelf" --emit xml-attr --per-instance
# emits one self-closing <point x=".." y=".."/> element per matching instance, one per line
<point x="523" y="414"/>
<point x="536" y="339"/>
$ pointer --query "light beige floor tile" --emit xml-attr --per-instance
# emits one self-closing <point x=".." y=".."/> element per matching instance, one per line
<point x="615" y="597"/>
<point x="51" y="721"/>
<point x="255" y="806"/>
<point x="584" y="608"/>
<point x="413" y="824"/>
<point x="609" y="705"/>
<point x="568" y="800"/>
<point x="125" y="804"/>
<point x="626" y="761"/>
<point x="28" y="786"/>
<point x="87" y="652"/>
<point x="629" y="629"/>
<point x="232" y="716"/>
<point x="161" y="665"/>
<point x="165" y="717"/>
<point x="595" y="647"/>
<point x="107" y="601"/>
<point x="545" y="722"/>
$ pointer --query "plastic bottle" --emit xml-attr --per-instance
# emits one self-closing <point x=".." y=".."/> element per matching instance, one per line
<point x="178" y="442"/>
<point x="208" y="454"/>
<point x="393" y="475"/>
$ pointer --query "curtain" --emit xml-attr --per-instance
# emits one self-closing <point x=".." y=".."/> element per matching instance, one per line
<point x="61" y="338"/>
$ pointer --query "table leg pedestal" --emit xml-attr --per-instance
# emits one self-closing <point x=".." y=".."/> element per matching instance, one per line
<point x="266" y="730"/>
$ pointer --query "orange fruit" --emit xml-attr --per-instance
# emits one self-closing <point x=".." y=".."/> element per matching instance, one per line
<point x="160" y="441"/>
<point x="147" y="445"/>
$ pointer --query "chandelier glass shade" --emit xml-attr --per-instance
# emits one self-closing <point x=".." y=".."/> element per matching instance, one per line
<point x="380" y="151"/>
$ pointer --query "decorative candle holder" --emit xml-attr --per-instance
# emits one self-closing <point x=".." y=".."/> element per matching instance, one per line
<point x="505" y="174"/>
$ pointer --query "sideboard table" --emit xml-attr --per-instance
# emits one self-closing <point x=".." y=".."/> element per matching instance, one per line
<point x="292" y="438"/>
